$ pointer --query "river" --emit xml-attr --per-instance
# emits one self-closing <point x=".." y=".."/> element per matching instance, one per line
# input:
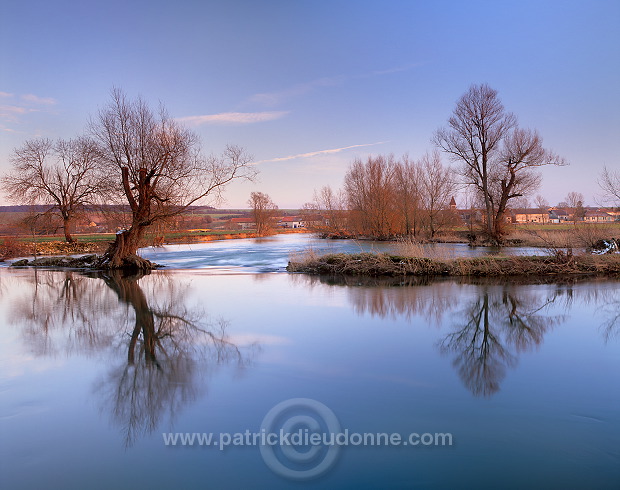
<point x="271" y="254"/>
<point x="99" y="373"/>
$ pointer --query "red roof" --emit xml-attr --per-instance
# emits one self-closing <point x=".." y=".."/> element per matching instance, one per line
<point x="242" y="220"/>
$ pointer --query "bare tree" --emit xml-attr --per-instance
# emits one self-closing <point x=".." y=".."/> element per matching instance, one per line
<point x="543" y="206"/>
<point x="574" y="200"/>
<point x="369" y="193"/>
<point x="263" y="211"/>
<point x="474" y="135"/>
<point x="60" y="174"/>
<point x="157" y="166"/>
<point x="437" y="188"/>
<point x="407" y="194"/>
<point x="330" y="206"/>
<point x="609" y="182"/>
<point x="387" y="197"/>
<point x="541" y="202"/>
<point x="497" y="157"/>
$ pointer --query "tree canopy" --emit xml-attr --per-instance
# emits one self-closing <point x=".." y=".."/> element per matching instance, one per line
<point x="497" y="157"/>
<point x="155" y="165"/>
<point x="62" y="174"/>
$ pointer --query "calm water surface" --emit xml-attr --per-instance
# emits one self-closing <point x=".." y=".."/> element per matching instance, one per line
<point x="271" y="254"/>
<point x="94" y="368"/>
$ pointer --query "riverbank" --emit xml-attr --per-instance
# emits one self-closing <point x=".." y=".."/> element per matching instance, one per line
<point x="10" y="249"/>
<point x="382" y="264"/>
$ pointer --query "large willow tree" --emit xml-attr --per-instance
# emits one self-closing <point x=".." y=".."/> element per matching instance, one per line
<point x="498" y="159"/>
<point x="155" y="166"/>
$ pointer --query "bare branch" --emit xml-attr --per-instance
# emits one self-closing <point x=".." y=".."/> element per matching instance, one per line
<point x="609" y="182"/>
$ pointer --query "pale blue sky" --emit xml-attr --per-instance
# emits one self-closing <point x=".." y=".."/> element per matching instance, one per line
<point x="294" y="81"/>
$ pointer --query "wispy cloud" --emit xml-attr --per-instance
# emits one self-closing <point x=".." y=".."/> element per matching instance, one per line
<point x="233" y="118"/>
<point x="35" y="99"/>
<point x="319" y="152"/>
<point x="12" y="113"/>
<point x="275" y="98"/>
<point x="20" y="105"/>
<point x="12" y="110"/>
<point x="279" y="97"/>
<point x="389" y="71"/>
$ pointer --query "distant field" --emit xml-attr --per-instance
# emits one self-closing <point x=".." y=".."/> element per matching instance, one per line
<point x="108" y="237"/>
<point x="564" y="226"/>
<point x="9" y="216"/>
<point x="94" y="237"/>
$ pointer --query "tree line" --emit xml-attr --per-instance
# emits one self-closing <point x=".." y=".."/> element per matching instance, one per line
<point x="386" y="197"/>
<point x="494" y="158"/>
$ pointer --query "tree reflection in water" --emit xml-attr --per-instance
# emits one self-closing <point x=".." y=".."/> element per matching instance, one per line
<point x="501" y="322"/>
<point x="392" y="297"/>
<point x="67" y="313"/>
<point x="610" y="308"/>
<point x="169" y="347"/>
<point x="494" y="322"/>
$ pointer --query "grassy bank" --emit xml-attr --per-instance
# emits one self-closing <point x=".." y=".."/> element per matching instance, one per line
<point x="11" y="247"/>
<point x="369" y="264"/>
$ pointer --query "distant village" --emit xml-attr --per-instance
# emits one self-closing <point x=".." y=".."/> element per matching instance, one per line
<point x="546" y="215"/>
<point x="561" y="215"/>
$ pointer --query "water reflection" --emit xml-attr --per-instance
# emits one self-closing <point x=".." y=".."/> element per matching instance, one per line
<point x="391" y="297"/>
<point x="491" y="322"/>
<point x="169" y="346"/>
<point x="66" y="313"/>
<point x="161" y="348"/>
<point x="492" y="329"/>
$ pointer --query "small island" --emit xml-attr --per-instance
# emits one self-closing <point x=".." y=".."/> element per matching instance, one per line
<point x="383" y="264"/>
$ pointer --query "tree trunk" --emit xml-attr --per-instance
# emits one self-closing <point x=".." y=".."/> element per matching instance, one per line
<point x="490" y="221"/>
<point x="498" y="227"/>
<point x="507" y="187"/>
<point x="485" y="190"/>
<point x="122" y="253"/>
<point x="66" y="225"/>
